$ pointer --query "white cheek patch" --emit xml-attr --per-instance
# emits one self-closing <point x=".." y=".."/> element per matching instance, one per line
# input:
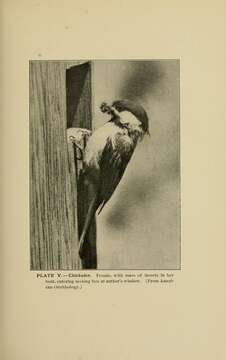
<point x="127" y="117"/>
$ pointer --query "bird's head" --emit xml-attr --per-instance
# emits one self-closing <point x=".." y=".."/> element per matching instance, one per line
<point x="129" y="115"/>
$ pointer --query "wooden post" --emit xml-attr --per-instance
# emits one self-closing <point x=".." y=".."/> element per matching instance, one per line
<point x="60" y="97"/>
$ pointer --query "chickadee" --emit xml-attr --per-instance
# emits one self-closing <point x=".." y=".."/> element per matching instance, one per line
<point x="108" y="151"/>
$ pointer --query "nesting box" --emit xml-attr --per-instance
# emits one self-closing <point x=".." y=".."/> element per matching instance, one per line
<point x="60" y="98"/>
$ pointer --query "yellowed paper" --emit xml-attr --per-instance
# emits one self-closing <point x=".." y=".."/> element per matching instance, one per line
<point x="180" y="320"/>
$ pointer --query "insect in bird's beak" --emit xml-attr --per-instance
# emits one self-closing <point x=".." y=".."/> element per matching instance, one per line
<point x="111" y="110"/>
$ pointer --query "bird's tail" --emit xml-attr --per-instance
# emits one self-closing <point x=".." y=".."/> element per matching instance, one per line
<point x="88" y="221"/>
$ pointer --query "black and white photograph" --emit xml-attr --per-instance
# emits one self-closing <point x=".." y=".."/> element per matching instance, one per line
<point x="104" y="160"/>
<point x="113" y="180"/>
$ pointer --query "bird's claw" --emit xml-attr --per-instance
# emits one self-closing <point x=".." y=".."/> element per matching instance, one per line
<point x="77" y="135"/>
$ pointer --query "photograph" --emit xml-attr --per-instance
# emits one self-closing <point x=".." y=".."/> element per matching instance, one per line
<point x="104" y="164"/>
<point x="112" y="181"/>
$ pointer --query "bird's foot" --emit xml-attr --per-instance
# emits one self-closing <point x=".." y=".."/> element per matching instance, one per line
<point x="77" y="135"/>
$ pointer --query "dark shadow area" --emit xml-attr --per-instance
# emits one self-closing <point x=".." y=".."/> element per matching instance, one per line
<point x="78" y="94"/>
<point x="83" y="200"/>
<point x="142" y="77"/>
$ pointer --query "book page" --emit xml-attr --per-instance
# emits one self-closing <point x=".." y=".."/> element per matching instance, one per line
<point x="149" y="281"/>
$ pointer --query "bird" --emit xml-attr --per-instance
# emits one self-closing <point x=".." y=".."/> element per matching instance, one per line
<point x="107" y="154"/>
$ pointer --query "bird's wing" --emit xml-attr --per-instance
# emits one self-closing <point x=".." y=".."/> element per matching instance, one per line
<point x="112" y="164"/>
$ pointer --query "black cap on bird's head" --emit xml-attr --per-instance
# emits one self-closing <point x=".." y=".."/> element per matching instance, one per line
<point x="136" y="109"/>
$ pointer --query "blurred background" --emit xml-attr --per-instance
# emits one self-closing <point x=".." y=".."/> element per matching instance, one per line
<point x="139" y="227"/>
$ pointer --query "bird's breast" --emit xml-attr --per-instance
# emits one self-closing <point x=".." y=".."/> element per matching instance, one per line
<point x="119" y="138"/>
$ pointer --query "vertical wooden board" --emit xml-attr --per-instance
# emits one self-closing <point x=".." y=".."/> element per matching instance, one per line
<point x="53" y="198"/>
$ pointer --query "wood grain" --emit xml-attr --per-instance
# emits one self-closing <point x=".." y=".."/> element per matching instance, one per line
<point x="53" y="184"/>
